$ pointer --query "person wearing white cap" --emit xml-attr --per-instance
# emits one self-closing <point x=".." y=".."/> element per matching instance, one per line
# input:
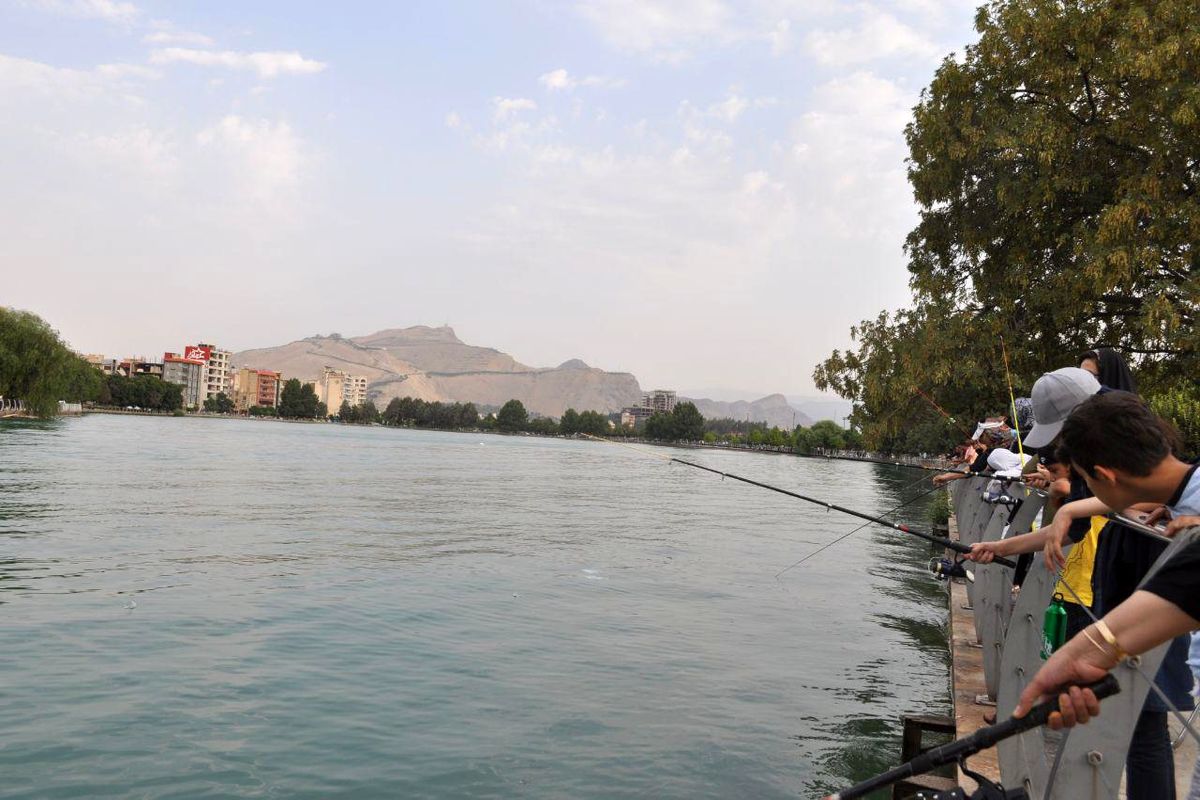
<point x="1054" y="397"/>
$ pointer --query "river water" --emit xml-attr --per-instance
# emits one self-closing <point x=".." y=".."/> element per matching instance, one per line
<point x="221" y="608"/>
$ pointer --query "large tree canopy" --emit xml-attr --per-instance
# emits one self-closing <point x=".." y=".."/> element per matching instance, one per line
<point x="1055" y="165"/>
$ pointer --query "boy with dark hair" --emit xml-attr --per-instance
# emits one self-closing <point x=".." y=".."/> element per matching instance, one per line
<point x="1124" y="453"/>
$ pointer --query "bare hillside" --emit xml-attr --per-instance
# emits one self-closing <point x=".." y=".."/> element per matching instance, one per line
<point x="434" y="364"/>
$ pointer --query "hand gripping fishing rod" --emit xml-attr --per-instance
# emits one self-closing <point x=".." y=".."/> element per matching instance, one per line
<point x="957" y="547"/>
<point x="958" y="750"/>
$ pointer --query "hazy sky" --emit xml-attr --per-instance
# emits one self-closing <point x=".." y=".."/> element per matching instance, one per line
<point x="704" y="193"/>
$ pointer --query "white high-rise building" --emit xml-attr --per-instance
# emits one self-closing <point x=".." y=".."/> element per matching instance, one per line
<point x="218" y="377"/>
<point x="660" y="400"/>
<point x="335" y="387"/>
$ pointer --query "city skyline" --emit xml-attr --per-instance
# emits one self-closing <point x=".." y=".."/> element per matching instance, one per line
<point x="698" y="193"/>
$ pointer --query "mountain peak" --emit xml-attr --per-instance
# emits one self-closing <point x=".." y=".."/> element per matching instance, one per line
<point x="573" y="363"/>
<point x="416" y="334"/>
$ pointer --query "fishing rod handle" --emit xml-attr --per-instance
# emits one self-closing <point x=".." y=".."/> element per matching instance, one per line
<point x="953" y="752"/>
<point x="1040" y="714"/>
<point x="982" y="739"/>
<point x="959" y="547"/>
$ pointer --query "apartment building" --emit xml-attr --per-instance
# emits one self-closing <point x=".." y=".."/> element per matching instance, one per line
<point x="660" y="400"/>
<point x="218" y="375"/>
<point x="188" y="373"/>
<point x="256" y="387"/>
<point x="335" y="387"/>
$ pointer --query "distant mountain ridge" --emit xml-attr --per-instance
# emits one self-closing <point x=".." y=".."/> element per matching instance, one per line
<point x="434" y="364"/>
<point x="773" y="409"/>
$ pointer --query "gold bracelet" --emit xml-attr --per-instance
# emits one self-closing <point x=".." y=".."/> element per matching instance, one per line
<point x="1096" y="644"/>
<point x="1107" y="633"/>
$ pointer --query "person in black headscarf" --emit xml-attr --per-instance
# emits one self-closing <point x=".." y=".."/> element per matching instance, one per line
<point x="1109" y="368"/>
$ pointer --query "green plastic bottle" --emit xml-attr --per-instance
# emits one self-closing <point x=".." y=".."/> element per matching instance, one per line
<point x="1054" y="628"/>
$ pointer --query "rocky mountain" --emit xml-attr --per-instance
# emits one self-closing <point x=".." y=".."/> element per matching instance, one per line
<point x="773" y="409"/>
<point x="434" y="364"/>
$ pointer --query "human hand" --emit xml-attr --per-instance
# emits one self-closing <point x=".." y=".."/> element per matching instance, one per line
<point x="944" y="478"/>
<point x="1038" y="480"/>
<point x="983" y="552"/>
<point x="1077" y="662"/>
<point x="1180" y="523"/>
<point x="1052" y="551"/>
<point x="1157" y="515"/>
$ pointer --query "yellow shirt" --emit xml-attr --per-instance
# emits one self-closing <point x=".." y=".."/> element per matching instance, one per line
<point x="1080" y="562"/>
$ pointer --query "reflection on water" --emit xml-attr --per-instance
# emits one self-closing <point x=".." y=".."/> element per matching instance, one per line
<point x="236" y="608"/>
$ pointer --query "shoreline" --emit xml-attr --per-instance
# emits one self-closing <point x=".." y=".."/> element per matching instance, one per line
<point x="896" y="461"/>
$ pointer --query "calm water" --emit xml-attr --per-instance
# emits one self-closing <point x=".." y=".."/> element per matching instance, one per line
<point x="217" y="608"/>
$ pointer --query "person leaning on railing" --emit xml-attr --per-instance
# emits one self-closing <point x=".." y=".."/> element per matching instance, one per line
<point x="1124" y="452"/>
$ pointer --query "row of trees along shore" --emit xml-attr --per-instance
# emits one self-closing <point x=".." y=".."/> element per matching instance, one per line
<point x="1054" y="165"/>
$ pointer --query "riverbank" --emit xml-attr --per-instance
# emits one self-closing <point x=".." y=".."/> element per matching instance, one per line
<point x="867" y="457"/>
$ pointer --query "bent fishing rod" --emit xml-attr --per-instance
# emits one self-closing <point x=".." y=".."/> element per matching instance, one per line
<point x="957" y="547"/>
<point x="957" y="751"/>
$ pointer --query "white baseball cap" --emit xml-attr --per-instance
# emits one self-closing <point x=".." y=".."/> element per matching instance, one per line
<point x="1054" y="397"/>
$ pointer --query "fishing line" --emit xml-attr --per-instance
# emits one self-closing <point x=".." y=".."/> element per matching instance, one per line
<point x="1012" y="401"/>
<point x="825" y="547"/>
<point x="957" y="547"/>
<point x="941" y="410"/>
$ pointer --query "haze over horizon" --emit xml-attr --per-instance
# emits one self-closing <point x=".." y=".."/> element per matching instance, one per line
<point x="700" y="193"/>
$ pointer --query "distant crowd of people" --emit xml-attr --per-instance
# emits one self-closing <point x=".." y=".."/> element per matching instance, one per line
<point x="1087" y="439"/>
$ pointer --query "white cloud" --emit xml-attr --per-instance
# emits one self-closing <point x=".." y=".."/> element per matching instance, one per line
<point x="178" y="37"/>
<point x="453" y="120"/>
<point x="561" y="80"/>
<point x="266" y="64"/>
<point x="667" y="30"/>
<point x="505" y="107"/>
<point x="33" y="78"/>
<point x="121" y="71"/>
<point x="269" y="156"/>
<point x="730" y="108"/>
<point x="113" y="10"/>
<point x="879" y="36"/>
<point x="137" y="151"/>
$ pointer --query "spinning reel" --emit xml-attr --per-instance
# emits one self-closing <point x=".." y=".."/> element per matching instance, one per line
<point x="944" y="569"/>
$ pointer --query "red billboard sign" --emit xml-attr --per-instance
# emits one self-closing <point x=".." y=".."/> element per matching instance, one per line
<point x="196" y="353"/>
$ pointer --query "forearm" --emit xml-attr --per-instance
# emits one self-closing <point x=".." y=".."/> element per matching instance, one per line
<point x="1088" y="507"/>
<point x="1025" y="543"/>
<point x="1146" y="620"/>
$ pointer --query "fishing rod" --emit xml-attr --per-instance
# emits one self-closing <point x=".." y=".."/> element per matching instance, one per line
<point x="957" y="751"/>
<point x="941" y="410"/>
<point x="957" y="547"/>
<point x="887" y="513"/>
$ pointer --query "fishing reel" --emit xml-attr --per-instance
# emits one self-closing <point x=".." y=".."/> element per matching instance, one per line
<point x="1000" y="498"/>
<point x="944" y="569"/>
<point x="987" y="790"/>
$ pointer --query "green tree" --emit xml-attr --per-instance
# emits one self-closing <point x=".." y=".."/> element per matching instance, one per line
<point x="298" y="400"/>
<point x="219" y="403"/>
<point x="569" y="424"/>
<point x="543" y="426"/>
<point x="686" y="422"/>
<point x="659" y="426"/>
<point x="37" y="368"/>
<point x="1181" y="406"/>
<point x="1055" y="168"/>
<point x="512" y="416"/>
<point x="347" y="412"/>
<point x="827" y="435"/>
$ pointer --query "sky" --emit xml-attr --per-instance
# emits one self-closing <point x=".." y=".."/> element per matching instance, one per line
<point x="703" y="193"/>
